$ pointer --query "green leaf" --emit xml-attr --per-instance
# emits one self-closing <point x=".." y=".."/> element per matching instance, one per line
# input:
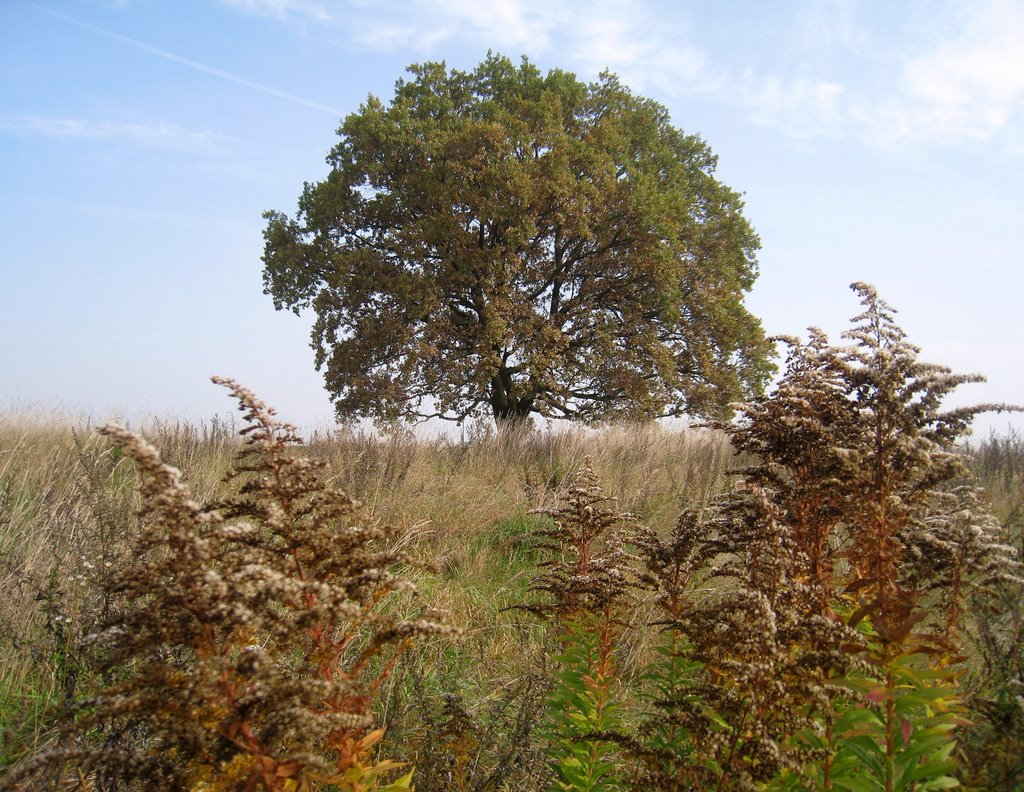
<point x="856" y="784"/>
<point x="920" y="698"/>
<point x="715" y="718"/>
<point x="867" y="750"/>
<point x="403" y="784"/>
<point x="945" y="782"/>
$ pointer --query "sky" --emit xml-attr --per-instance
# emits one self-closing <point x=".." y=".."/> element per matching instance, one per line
<point x="141" y="141"/>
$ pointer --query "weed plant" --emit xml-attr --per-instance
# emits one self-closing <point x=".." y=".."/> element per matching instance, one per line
<point x="840" y="611"/>
<point x="586" y="588"/>
<point x="249" y="642"/>
<point x="857" y="545"/>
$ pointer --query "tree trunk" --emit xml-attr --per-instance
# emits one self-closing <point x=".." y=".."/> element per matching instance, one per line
<point x="509" y="410"/>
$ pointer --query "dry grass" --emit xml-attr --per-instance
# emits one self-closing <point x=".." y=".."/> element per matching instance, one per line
<point x="68" y="508"/>
<point x="68" y="515"/>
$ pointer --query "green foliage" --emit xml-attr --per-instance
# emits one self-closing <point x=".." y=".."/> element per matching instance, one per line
<point x="586" y="587"/>
<point x="505" y="242"/>
<point x="581" y="710"/>
<point x="664" y="748"/>
<point x="902" y="736"/>
<point x="994" y="746"/>
<point x="45" y="666"/>
<point x="463" y="738"/>
<point x="511" y="539"/>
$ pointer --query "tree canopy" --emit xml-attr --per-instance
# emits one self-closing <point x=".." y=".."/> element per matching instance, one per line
<point x="500" y="241"/>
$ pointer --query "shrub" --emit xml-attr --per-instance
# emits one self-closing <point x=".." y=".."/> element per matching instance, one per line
<point x="858" y="544"/>
<point x="254" y="633"/>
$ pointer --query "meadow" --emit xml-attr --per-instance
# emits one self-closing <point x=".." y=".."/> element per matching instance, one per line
<point x="69" y="514"/>
<point x="632" y="607"/>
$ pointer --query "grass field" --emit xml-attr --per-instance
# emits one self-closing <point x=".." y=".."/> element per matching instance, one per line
<point x="68" y="515"/>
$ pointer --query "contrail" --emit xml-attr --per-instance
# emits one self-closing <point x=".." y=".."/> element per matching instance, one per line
<point x="192" y="64"/>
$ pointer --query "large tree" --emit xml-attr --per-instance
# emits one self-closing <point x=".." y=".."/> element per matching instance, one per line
<point x="507" y="242"/>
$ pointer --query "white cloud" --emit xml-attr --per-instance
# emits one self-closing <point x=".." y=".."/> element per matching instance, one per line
<point x="643" y="48"/>
<point x="161" y="135"/>
<point x="388" y="37"/>
<point x="801" y="107"/>
<point x="962" y="85"/>
<point x="829" y="26"/>
<point x="422" y="25"/>
<point x="970" y="87"/>
<point x="509" y="23"/>
<point x="935" y="72"/>
<point x="282" y="9"/>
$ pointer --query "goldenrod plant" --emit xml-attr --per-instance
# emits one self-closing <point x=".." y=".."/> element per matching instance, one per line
<point x="252" y="641"/>
<point x="840" y="612"/>
<point x="860" y="486"/>
<point x="665" y="744"/>
<point x="586" y="585"/>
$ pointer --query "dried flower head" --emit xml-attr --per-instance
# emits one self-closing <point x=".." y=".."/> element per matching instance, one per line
<point x="589" y="571"/>
<point x="255" y="632"/>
